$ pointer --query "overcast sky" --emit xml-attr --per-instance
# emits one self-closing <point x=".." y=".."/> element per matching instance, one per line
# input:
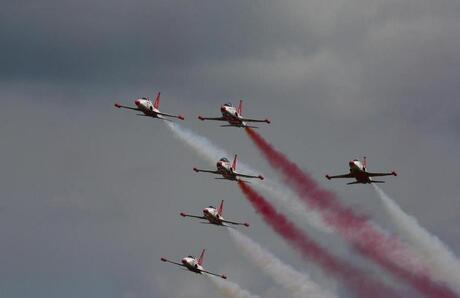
<point x="91" y="194"/>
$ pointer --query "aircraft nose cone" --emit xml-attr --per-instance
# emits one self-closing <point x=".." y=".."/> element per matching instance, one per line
<point x="137" y="102"/>
<point x="222" y="109"/>
<point x="205" y="211"/>
<point x="350" y="163"/>
<point x="184" y="261"/>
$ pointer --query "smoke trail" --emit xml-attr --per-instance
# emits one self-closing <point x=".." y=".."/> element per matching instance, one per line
<point x="436" y="255"/>
<point x="356" y="280"/>
<point x="200" y="144"/>
<point x="365" y="237"/>
<point x="230" y="289"/>
<point x="211" y="153"/>
<point x="298" y="284"/>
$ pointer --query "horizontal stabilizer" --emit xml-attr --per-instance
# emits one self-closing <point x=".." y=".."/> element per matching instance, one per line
<point x="356" y="182"/>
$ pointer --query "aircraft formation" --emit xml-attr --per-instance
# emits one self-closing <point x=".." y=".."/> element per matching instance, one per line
<point x="227" y="170"/>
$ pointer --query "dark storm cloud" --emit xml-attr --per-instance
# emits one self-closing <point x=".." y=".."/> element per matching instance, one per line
<point x="89" y="189"/>
<point x="76" y="39"/>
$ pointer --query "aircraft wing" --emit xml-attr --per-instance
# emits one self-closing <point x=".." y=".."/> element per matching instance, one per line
<point x="381" y="174"/>
<point x="172" y="262"/>
<point x="194" y="216"/>
<point x="218" y="275"/>
<point x="205" y="171"/>
<point x="236" y="223"/>
<point x="349" y="175"/>
<point x="211" y="118"/>
<point x="126" y="107"/>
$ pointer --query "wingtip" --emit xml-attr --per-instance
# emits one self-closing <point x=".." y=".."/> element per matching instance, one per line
<point x="180" y="117"/>
<point x="394" y="173"/>
<point x="328" y="177"/>
<point x="223" y="276"/>
<point x="163" y="259"/>
<point x="117" y="105"/>
<point x="246" y="224"/>
<point x="195" y="169"/>
<point x="183" y="214"/>
<point x="261" y="177"/>
<point x="201" y="118"/>
<point x="268" y="121"/>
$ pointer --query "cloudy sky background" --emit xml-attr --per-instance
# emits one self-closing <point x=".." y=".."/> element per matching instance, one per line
<point x="91" y="194"/>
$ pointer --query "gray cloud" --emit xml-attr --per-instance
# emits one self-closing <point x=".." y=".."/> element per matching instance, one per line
<point x="91" y="194"/>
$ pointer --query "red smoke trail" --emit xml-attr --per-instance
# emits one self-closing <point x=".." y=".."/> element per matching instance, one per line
<point x="355" y="279"/>
<point x="386" y="251"/>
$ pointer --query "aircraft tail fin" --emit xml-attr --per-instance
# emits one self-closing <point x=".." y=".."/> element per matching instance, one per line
<point x="201" y="258"/>
<point x="234" y="162"/>
<point x="365" y="163"/>
<point x="240" y="108"/>
<point x="221" y="208"/>
<point x="156" y="103"/>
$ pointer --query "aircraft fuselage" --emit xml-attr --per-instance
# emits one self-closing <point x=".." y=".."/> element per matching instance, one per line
<point x="231" y="115"/>
<point x="358" y="171"/>
<point x="192" y="264"/>
<point x="226" y="170"/>
<point x="213" y="216"/>
<point x="146" y="107"/>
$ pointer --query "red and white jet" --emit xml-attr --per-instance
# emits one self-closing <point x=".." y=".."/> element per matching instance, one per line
<point x="214" y="216"/>
<point x="234" y="116"/>
<point x="359" y="172"/>
<point x="228" y="171"/>
<point x="194" y="265"/>
<point x="149" y="109"/>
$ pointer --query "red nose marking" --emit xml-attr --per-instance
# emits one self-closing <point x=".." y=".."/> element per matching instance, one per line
<point x="351" y="163"/>
<point x="205" y="211"/>
<point x="137" y="102"/>
<point x="222" y="109"/>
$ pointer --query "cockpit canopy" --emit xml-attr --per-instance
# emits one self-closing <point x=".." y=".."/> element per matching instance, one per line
<point x="145" y="98"/>
<point x="224" y="159"/>
<point x="228" y="104"/>
<point x="191" y="257"/>
<point x="211" y="207"/>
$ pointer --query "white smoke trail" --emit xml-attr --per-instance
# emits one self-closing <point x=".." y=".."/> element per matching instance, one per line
<point x="230" y="289"/>
<point x="298" y="284"/>
<point x="210" y="152"/>
<point x="200" y="144"/>
<point x="434" y="253"/>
